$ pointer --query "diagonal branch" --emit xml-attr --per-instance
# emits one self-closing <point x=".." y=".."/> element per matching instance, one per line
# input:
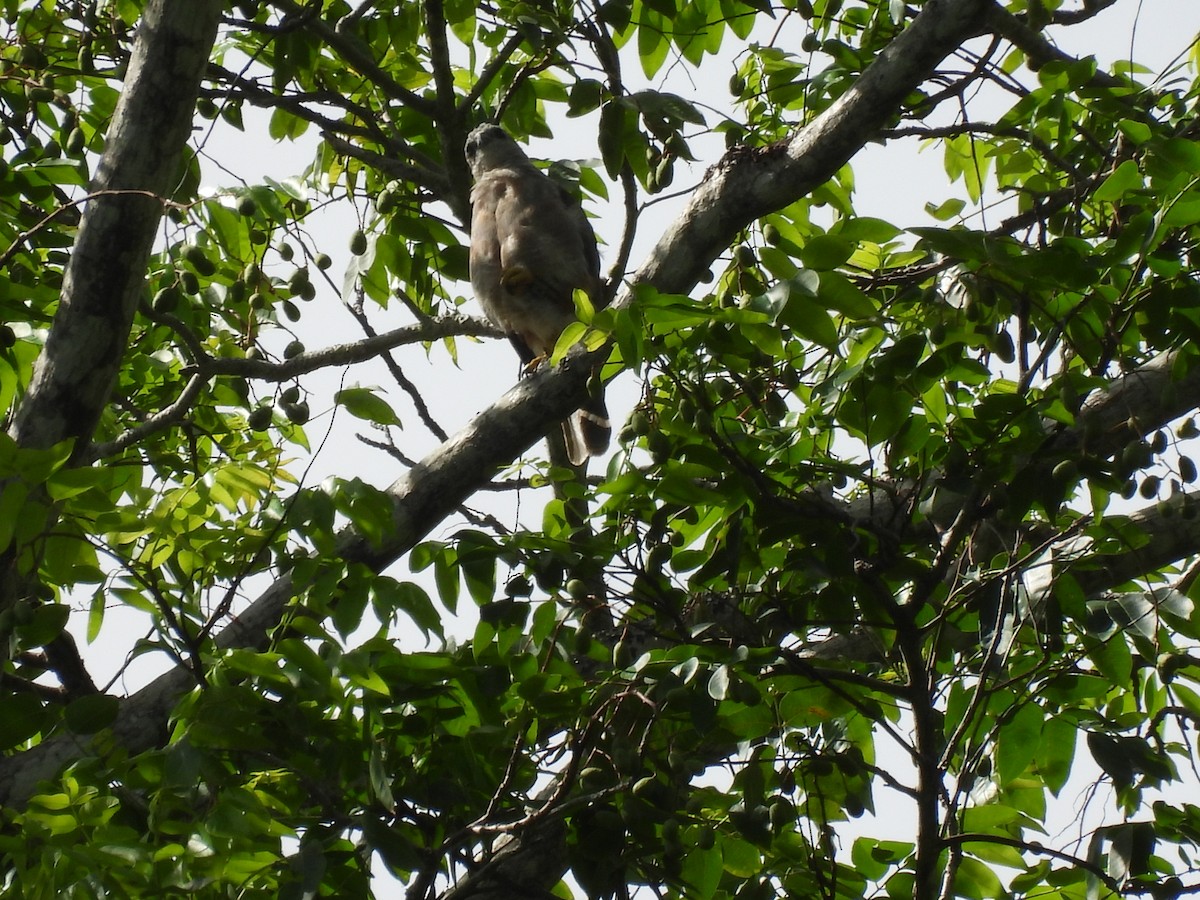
<point x="353" y="52"/>
<point x="749" y="183"/>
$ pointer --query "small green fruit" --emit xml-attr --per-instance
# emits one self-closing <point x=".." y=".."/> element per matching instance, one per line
<point x="76" y="141"/>
<point x="1187" y="470"/>
<point x="299" y="279"/>
<point x="166" y="300"/>
<point x="259" y="419"/>
<point x="296" y="412"/>
<point x="195" y="257"/>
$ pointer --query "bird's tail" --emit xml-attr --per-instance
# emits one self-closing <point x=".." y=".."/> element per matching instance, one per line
<point x="588" y="431"/>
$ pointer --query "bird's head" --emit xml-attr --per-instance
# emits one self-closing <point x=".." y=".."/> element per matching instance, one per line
<point x="489" y="147"/>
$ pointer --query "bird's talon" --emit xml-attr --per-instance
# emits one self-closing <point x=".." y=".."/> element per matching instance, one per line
<point x="531" y="366"/>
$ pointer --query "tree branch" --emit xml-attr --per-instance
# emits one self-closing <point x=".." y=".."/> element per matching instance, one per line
<point x="349" y="49"/>
<point x="749" y="183"/>
<point x="208" y="367"/>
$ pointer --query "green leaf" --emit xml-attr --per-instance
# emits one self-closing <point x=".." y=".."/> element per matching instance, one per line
<point x="348" y="611"/>
<point x="1018" y="741"/>
<point x="873" y="858"/>
<point x="12" y="499"/>
<point x="1056" y="752"/>
<point x="47" y="623"/>
<point x="381" y="786"/>
<point x="946" y="210"/>
<point x="837" y="292"/>
<point x="364" y="403"/>
<point x="90" y="714"/>
<point x="652" y="42"/>
<point x="266" y="666"/>
<point x="718" y="683"/>
<point x="570" y="336"/>
<point x="669" y="107"/>
<point x="974" y="879"/>
<point x="1183" y="153"/>
<point x="741" y="858"/>
<point x="285" y="126"/>
<point x="611" y="137"/>
<point x="96" y="613"/>
<point x="460" y="14"/>
<point x="445" y="575"/>
<point x="1138" y="132"/>
<point x="702" y="871"/>
<point x="826" y="251"/>
<point x="1124" y="179"/>
<point x="1112" y="756"/>
<point x="389" y="596"/>
<point x="866" y="228"/>
<point x="23" y="716"/>
<point x="811" y="320"/>
<point x="1113" y="658"/>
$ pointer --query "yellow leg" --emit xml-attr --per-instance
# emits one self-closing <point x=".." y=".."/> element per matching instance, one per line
<point x="533" y="364"/>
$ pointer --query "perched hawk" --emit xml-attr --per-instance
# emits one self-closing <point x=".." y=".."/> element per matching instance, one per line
<point x="531" y="247"/>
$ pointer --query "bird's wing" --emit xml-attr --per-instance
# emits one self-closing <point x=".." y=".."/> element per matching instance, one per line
<point x="531" y="248"/>
<point x="528" y="255"/>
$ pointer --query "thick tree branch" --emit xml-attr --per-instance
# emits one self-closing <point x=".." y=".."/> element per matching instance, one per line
<point x="748" y="184"/>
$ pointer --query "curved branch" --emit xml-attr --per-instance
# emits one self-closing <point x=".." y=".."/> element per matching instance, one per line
<point x="1171" y="533"/>
<point x="488" y="73"/>
<point x="350" y="50"/>
<point x="436" y="182"/>
<point x="208" y="367"/>
<point x="1039" y="51"/>
<point x="1038" y="848"/>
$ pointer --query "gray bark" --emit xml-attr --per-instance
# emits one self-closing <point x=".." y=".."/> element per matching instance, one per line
<point x="748" y="185"/>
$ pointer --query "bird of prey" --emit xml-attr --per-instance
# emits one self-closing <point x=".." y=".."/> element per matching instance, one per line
<point x="531" y="247"/>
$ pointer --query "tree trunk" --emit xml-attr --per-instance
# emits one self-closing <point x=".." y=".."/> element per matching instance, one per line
<point x="76" y="371"/>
